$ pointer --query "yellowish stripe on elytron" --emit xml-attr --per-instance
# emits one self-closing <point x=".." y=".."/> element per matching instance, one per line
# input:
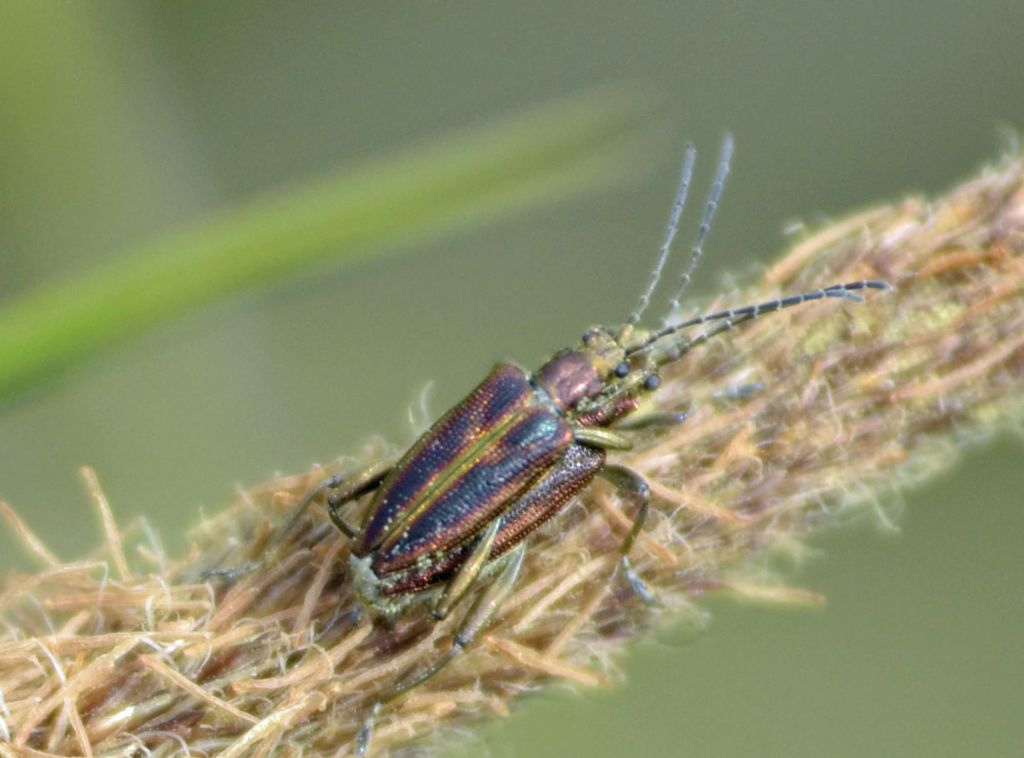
<point x="452" y="473"/>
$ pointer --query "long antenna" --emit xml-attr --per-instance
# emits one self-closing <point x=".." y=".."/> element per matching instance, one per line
<point x="714" y="196"/>
<point x="670" y="233"/>
<point x="735" y="315"/>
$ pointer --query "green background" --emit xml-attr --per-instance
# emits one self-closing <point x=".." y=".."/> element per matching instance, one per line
<point x="121" y="120"/>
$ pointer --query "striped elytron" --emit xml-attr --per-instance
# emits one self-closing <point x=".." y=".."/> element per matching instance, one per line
<point x="455" y="511"/>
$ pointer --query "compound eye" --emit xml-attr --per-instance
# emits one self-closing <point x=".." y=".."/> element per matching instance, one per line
<point x="622" y="370"/>
<point x="589" y="335"/>
<point x="652" y="382"/>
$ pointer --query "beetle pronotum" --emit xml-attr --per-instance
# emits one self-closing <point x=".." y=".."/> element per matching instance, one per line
<point x="455" y="510"/>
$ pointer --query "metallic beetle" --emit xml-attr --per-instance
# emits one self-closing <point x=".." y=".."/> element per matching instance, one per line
<point x="455" y="511"/>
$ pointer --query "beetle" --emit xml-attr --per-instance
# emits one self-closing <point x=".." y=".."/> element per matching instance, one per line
<point x="456" y="509"/>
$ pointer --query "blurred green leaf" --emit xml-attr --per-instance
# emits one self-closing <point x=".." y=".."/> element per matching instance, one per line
<point x="564" y="148"/>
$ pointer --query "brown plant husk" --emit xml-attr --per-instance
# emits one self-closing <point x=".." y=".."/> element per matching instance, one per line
<point x="827" y="408"/>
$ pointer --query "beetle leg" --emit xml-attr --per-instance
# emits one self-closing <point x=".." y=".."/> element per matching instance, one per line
<point x="476" y="620"/>
<point x="346" y="486"/>
<point x="633" y="486"/>
<point x="468" y="572"/>
<point x="740" y="392"/>
<point x="346" y="489"/>
<point x="350" y="486"/>
<point x="604" y="439"/>
<point x="651" y="420"/>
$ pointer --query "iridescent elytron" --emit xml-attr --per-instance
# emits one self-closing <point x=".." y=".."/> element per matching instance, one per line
<point x="454" y="513"/>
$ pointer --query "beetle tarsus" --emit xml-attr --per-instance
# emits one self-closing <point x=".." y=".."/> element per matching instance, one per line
<point x="231" y="574"/>
<point x="366" y="730"/>
<point x="638" y="585"/>
<point x="738" y="392"/>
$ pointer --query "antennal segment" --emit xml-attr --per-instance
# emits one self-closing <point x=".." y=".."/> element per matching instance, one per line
<point x="734" y="316"/>
<point x="681" y="347"/>
<point x="724" y="159"/>
<point x="670" y="234"/>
